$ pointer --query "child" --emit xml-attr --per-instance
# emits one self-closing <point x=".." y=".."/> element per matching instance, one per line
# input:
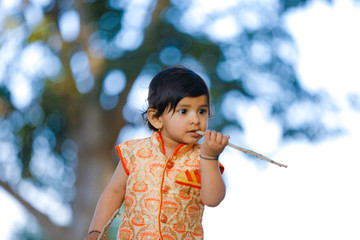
<point x="165" y="180"/>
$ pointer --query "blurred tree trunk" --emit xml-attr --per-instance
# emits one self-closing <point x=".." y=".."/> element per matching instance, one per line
<point x="95" y="166"/>
<point x="96" y="132"/>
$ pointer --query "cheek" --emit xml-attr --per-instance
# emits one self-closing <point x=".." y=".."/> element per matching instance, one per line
<point x="204" y="121"/>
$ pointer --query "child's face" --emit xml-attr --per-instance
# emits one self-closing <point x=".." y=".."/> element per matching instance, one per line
<point x="180" y="126"/>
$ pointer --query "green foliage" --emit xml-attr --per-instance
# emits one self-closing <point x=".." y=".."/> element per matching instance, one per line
<point x="45" y="30"/>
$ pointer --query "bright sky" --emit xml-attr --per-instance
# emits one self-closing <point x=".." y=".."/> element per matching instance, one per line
<point x="317" y="197"/>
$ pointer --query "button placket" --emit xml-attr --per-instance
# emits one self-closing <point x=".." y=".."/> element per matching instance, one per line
<point x="164" y="190"/>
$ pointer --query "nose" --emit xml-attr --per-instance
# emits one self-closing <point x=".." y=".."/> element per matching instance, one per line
<point x="195" y="118"/>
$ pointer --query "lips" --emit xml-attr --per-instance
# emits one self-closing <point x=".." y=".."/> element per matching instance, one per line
<point x="194" y="133"/>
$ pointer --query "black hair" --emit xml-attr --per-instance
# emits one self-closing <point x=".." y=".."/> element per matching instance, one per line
<point x="171" y="85"/>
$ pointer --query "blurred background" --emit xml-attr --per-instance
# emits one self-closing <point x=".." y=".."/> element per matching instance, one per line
<point x="284" y="79"/>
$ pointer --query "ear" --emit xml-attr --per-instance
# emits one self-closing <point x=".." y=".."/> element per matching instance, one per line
<point x="153" y="119"/>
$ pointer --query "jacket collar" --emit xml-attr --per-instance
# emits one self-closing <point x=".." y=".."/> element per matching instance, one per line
<point x="158" y="142"/>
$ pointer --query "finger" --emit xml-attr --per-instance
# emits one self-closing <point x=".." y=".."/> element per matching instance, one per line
<point x="211" y="135"/>
<point x="207" y="135"/>
<point x="225" y="140"/>
<point x="219" y="137"/>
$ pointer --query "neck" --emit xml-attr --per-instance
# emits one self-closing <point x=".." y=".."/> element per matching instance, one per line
<point x="169" y="151"/>
<point x="168" y="145"/>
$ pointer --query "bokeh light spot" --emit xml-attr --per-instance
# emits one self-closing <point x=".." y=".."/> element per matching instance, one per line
<point x="170" y="56"/>
<point x="114" y="82"/>
<point x="69" y="24"/>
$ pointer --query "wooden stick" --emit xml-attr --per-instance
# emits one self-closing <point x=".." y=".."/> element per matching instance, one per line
<point x="255" y="154"/>
<point x="106" y="227"/>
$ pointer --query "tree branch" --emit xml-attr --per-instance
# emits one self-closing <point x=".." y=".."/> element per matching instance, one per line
<point x="43" y="220"/>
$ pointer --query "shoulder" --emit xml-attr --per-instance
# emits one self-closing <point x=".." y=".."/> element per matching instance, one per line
<point x="193" y="149"/>
<point x="134" y="142"/>
<point x="130" y="145"/>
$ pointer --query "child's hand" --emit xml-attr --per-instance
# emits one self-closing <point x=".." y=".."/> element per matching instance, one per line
<point x="213" y="144"/>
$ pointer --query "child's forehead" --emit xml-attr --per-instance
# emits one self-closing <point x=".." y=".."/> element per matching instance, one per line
<point x="194" y="101"/>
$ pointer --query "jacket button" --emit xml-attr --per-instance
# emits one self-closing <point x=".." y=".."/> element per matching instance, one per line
<point x="163" y="218"/>
<point x="165" y="189"/>
<point x="170" y="165"/>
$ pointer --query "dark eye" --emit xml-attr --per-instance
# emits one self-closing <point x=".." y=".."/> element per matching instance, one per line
<point x="182" y="111"/>
<point x="202" y="111"/>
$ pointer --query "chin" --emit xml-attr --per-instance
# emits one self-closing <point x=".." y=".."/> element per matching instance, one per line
<point x="195" y="140"/>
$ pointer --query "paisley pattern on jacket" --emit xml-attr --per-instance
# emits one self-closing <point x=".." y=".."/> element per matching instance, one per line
<point x="159" y="202"/>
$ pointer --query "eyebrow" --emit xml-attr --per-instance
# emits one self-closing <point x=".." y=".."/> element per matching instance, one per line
<point x="188" y="105"/>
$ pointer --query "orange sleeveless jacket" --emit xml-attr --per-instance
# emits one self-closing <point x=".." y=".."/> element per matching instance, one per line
<point x="162" y="199"/>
